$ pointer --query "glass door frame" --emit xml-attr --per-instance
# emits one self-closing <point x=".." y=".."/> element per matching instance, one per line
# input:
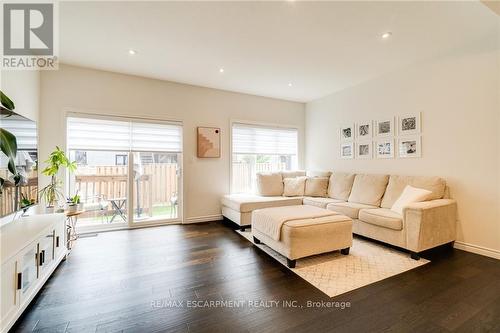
<point x="130" y="184"/>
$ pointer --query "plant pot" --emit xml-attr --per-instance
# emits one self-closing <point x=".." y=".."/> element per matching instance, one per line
<point x="71" y="208"/>
<point x="79" y="207"/>
<point x="49" y="209"/>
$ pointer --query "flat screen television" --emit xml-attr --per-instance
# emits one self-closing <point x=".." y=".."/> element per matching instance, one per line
<point x="25" y="131"/>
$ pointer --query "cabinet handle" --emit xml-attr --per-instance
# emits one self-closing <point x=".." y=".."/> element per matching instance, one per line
<point x="57" y="241"/>
<point x="19" y="280"/>
<point x="43" y="257"/>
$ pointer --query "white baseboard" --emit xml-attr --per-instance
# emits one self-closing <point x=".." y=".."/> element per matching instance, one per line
<point x="484" y="251"/>
<point x="199" y="219"/>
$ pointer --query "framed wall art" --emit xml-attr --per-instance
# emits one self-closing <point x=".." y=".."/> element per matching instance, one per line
<point x="208" y="140"/>
<point x="409" y="124"/>
<point x="384" y="127"/>
<point x="410" y="146"/>
<point x="347" y="132"/>
<point x="384" y="148"/>
<point x="347" y="150"/>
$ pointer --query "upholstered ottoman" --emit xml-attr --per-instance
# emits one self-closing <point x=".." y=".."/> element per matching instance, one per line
<point x="301" y="231"/>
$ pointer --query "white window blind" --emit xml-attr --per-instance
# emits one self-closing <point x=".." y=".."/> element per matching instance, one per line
<point x="23" y="129"/>
<point x="124" y="135"/>
<point x="252" y="139"/>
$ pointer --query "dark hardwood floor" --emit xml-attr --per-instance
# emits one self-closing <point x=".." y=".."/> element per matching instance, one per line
<point x="123" y="281"/>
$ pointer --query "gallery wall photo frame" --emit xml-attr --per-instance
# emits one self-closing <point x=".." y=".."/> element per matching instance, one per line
<point x="384" y="127"/>
<point x="410" y="124"/>
<point x="347" y="150"/>
<point x="208" y="142"/>
<point x="384" y="148"/>
<point x="364" y="150"/>
<point x="346" y="132"/>
<point x="410" y="147"/>
<point x="364" y="130"/>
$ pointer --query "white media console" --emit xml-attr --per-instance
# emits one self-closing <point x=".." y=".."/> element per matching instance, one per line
<point x="31" y="249"/>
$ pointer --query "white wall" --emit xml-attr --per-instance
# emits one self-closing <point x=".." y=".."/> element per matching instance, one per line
<point x="23" y="88"/>
<point x="458" y="95"/>
<point x="205" y="180"/>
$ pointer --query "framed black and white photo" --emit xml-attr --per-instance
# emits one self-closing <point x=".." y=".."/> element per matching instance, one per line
<point x="347" y="132"/>
<point x="409" y="124"/>
<point x="364" y="130"/>
<point x="364" y="150"/>
<point x="347" y="150"/>
<point x="384" y="127"/>
<point x="384" y="148"/>
<point x="410" y="146"/>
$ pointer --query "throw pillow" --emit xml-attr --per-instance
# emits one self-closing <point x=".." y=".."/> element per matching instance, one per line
<point x="294" y="186"/>
<point x="316" y="186"/>
<point x="270" y="184"/>
<point x="410" y="195"/>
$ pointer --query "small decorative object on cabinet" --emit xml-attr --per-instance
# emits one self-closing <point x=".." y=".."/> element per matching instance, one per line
<point x="31" y="249"/>
<point x="208" y="142"/>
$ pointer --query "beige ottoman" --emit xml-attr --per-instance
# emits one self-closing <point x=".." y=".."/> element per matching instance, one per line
<point x="315" y="231"/>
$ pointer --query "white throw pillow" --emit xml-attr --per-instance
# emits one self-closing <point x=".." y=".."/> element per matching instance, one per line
<point x="294" y="186"/>
<point x="410" y="195"/>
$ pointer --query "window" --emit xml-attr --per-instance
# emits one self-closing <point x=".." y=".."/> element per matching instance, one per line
<point x="114" y="153"/>
<point x="260" y="148"/>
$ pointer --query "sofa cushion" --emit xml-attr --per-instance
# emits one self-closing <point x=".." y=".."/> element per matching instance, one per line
<point x="398" y="183"/>
<point x="324" y="174"/>
<point x="316" y="186"/>
<point x="245" y="203"/>
<point x="368" y="189"/>
<point x="350" y="209"/>
<point x="294" y="186"/>
<point x="270" y="184"/>
<point x="319" y="202"/>
<point x="410" y="195"/>
<point x="293" y="174"/>
<point x="340" y="185"/>
<point x="382" y="217"/>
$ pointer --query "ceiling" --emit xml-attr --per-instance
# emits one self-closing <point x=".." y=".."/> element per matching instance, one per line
<point x="317" y="47"/>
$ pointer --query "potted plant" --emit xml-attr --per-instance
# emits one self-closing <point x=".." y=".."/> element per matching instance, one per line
<point x="52" y="192"/>
<point x="73" y="203"/>
<point x="25" y="203"/>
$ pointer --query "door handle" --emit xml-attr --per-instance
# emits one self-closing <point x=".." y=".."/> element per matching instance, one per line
<point x="19" y="280"/>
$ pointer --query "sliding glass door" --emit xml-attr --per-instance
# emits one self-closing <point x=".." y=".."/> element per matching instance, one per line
<point x="129" y="171"/>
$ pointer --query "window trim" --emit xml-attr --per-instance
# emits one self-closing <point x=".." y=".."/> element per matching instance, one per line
<point x="261" y="124"/>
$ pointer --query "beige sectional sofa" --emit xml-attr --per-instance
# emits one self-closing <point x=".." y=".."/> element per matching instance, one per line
<point x="365" y="198"/>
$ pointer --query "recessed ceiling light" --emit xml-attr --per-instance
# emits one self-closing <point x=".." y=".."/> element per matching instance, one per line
<point x="386" y="35"/>
<point x="290" y="84"/>
<point x="221" y="70"/>
<point x="132" y="52"/>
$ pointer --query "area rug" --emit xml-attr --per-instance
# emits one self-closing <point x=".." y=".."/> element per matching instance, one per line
<point x="335" y="274"/>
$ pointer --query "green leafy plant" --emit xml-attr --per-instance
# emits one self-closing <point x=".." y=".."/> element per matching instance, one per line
<point x="75" y="199"/>
<point x="25" y="202"/>
<point x="8" y="143"/>
<point x="52" y="192"/>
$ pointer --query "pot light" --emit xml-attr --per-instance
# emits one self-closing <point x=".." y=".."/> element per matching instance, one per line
<point x="221" y="70"/>
<point x="290" y="84"/>
<point x="132" y="52"/>
<point x="386" y="35"/>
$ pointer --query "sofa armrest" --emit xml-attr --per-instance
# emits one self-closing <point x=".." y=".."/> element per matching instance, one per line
<point x="430" y="223"/>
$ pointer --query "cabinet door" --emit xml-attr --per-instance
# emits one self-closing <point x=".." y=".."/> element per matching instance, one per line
<point x="59" y="239"/>
<point x="10" y="294"/>
<point x="46" y="252"/>
<point x="28" y="267"/>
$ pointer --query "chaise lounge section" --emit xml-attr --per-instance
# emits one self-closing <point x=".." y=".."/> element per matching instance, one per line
<point x="367" y="199"/>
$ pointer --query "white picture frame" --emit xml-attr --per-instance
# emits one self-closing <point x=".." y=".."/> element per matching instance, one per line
<point x="364" y="150"/>
<point x="347" y="150"/>
<point x="364" y="130"/>
<point x="384" y="127"/>
<point x="410" y="147"/>
<point x="384" y="148"/>
<point x="346" y="133"/>
<point x="409" y="124"/>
